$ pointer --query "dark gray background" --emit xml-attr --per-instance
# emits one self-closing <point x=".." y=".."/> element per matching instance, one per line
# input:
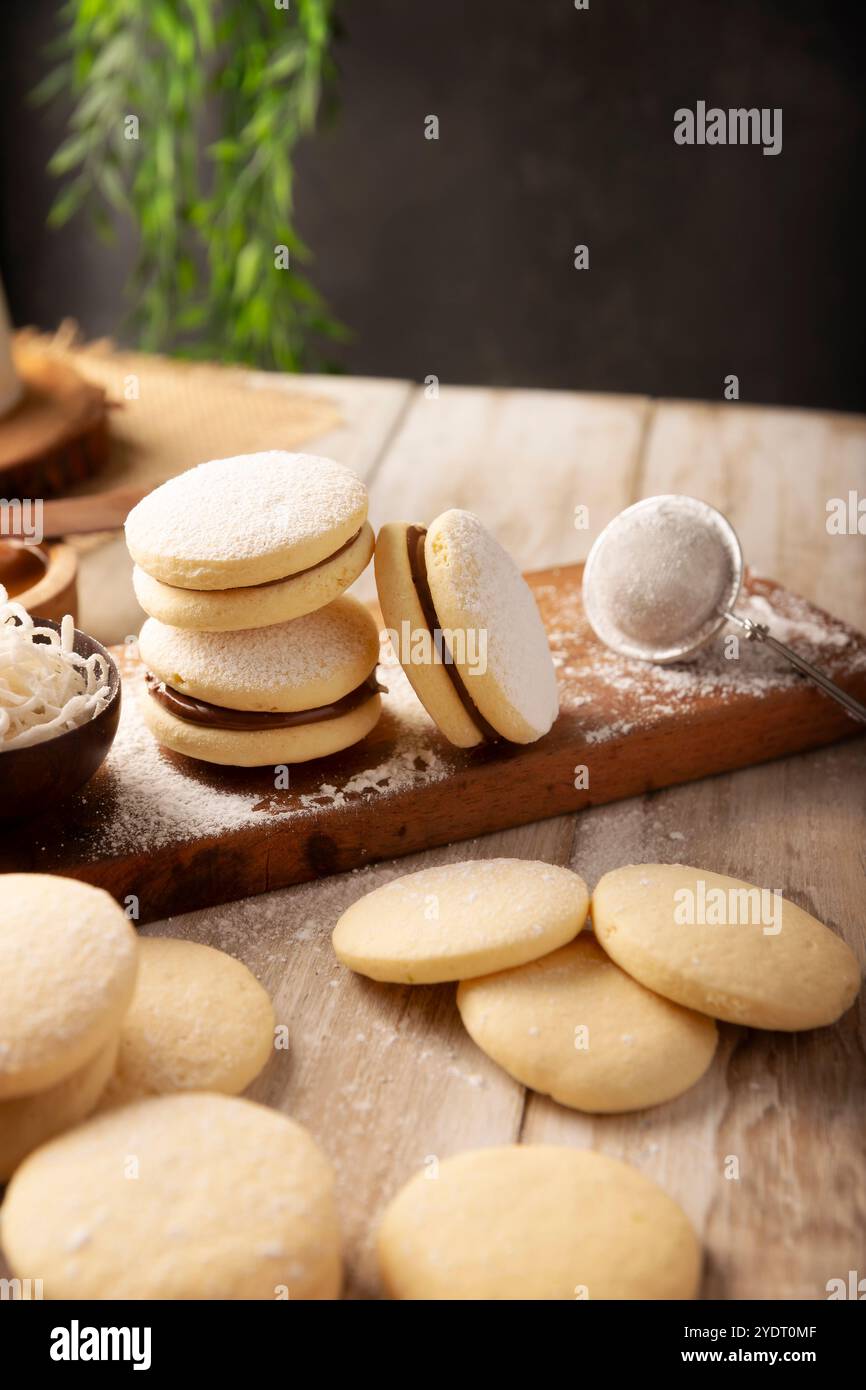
<point x="455" y="258"/>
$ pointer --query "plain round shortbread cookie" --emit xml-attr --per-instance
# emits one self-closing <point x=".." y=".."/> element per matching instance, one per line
<point x="459" y="920"/>
<point x="297" y="665"/>
<point x="476" y="586"/>
<point x="740" y="968"/>
<point x="573" y="1026"/>
<point x="199" y="1021"/>
<point x="256" y="605"/>
<point x="179" y="1197"/>
<point x="68" y="957"/>
<point x="246" y="520"/>
<point x="531" y="1222"/>
<point x="28" y="1121"/>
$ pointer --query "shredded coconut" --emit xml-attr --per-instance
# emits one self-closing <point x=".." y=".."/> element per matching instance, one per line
<point x="46" y="688"/>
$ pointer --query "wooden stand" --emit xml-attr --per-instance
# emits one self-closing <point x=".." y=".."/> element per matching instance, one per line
<point x="56" y="434"/>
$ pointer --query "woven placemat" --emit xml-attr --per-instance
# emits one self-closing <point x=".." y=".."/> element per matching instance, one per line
<point x="167" y="415"/>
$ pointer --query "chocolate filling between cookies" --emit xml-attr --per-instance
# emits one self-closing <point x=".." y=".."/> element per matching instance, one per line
<point x="195" y="711"/>
<point x="281" y="579"/>
<point x="415" y="537"/>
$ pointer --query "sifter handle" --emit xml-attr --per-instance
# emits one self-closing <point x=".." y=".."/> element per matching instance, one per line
<point x="759" y="632"/>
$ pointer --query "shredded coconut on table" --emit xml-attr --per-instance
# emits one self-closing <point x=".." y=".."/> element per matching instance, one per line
<point x="46" y="688"/>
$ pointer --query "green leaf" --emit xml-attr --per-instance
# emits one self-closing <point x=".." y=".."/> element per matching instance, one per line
<point x="246" y="271"/>
<point x="67" y="203"/>
<point x="71" y="152"/>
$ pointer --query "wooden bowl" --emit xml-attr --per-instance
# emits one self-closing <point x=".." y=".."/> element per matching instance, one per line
<point x="48" y="573"/>
<point x="32" y="779"/>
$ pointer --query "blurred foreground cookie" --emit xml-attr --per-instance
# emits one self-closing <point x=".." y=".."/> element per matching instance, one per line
<point x="724" y="947"/>
<point x="465" y="627"/>
<point x="68" y="957"/>
<point x="180" y="1197"/>
<point x="575" y="1027"/>
<point x="249" y="541"/>
<point x="526" y="1222"/>
<point x="282" y="694"/>
<point x="198" y="1021"/>
<point x="28" y="1121"/>
<point x="460" y="920"/>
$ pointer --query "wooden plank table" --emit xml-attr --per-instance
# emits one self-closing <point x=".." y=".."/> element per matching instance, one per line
<point x="384" y="1075"/>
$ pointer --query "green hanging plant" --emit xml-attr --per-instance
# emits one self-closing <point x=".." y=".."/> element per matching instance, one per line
<point x="216" y="269"/>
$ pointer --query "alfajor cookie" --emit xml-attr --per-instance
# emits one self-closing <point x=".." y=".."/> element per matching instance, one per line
<point x="199" y="1021"/>
<point x="28" y="1121"/>
<point x="257" y="605"/>
<point x="68" y="957"/>
<point x="528" y="1222"/>
<point x="573" y="1026"/>
<point x="247" y="520"/>
<point x="465" y="627"/>
<point x="179" y="1197"/>
<point x="456" y="921"/>
<point x="280" y="694"/>
<point x="724" y="947"/>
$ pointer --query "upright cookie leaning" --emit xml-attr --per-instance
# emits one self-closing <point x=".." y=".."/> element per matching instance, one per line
<point x="466" y="629"/>
<point x="249" y="541"/>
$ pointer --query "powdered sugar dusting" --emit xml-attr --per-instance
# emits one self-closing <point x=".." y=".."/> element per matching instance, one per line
<point x="468" y="568"/>
<point x="635" y="694"/>
<point x="146" y="798"/>
<point x="286" y="666"/>
<point x="248" y="506"/>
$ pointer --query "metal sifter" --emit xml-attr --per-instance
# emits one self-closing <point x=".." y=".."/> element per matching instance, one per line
<point x="662" y="578"/>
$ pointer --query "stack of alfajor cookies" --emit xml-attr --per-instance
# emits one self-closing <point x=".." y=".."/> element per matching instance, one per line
<point x="254" y="654"/>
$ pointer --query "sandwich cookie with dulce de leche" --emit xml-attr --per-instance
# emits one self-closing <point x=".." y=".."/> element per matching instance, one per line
<point x="466" y="630"/>
<point x="281" y="694"/>
<point x="249" y="541"/>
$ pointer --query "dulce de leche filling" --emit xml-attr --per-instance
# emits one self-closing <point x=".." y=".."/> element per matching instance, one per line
<point x="415" y="537"/>
<point x="195" y="711"/>
<point x="284" y="579"/>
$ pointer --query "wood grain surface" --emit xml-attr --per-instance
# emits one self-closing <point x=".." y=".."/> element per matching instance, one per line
<point x="386" y="1075"/>
<point x="624" y="727"/>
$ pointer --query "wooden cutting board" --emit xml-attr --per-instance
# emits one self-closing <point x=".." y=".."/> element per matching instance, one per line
<point x="175" y="835"/>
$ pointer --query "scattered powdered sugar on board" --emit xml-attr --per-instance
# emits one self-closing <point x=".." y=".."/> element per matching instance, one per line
<point x="409" y="765"/>
<point x="638" y="693"/>
<point x="147" y="798"/>
<point x="151" y="800"/>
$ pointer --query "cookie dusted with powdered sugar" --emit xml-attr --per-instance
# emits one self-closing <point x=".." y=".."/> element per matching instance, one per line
<point x="264" y="696"/>
<point x="466" y="629"/>
<point x="249" y="541"/>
